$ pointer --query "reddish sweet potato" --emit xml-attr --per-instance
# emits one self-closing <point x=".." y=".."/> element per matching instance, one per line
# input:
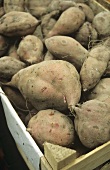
<point x="49" y="84"/>
<point x="92" y="123"/>
<point x="51" y="126"/>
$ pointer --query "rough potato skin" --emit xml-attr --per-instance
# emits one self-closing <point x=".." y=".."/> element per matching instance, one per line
<point x="92" y="123"/>
<point x="17" y="23"/>
<point x="94" y="67"/>
<point x="49" y="84"/>
<point x="14" y="5"/>
<point x="10" y="66"/>
<point x="16" y="99"/>
<point x="103" y="87"/>
<point x="86" y="34"/>
<point x="30" y="49"/>
<point x="67" y="48"/>
<point x="65" y="26"/>
<point x="87" y="10"/>
<point x="51" y="126"/>
<point x="102" y="17"/>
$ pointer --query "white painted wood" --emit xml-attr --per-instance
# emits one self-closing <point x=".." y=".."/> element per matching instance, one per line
<point x="23" y="139"/>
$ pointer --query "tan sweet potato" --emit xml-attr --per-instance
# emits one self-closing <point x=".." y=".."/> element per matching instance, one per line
<point x="14" y="5"/>
<point x="48" y="56"/>
<point x="69" y="21"/>
<point x="9" y="66"/>
<point x="12" y="52"/>
<point x="2" y="12"/>
<point x="86" y="34"/>
<point x="37" y="7"/>
<point x="87" y="10"/>
<point x="17" y="23"/>
<point x="94" y="66"/>
<point x="48" y="21"/>
<point x="38" y="32"/>
<point x="30" y="49"/>
<point x="92" y="123"/>
<point x="102" y="18"/>
<point x="49" y="84"/>
<point x="67" y="48"/>
<point x="51" y="126"/>
<point x="103" y="87"/>
<point x="107" y="71"/>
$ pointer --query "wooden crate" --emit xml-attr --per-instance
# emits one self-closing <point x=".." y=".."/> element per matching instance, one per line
<point x="55" y="157"/>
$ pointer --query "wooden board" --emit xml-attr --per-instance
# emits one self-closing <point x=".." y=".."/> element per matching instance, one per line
<point x="105" y="3"/>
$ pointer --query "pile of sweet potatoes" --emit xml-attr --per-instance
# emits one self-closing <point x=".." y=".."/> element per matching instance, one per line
<point x="55" y="69"/>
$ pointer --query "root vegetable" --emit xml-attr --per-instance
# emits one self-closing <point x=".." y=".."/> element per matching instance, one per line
<point x="49" y="84"/>
<point x="69" y="21"/>
<point x="94" y="67"/>
<point x="17" y="23"/>
<point x="30" y="49"/>
<point x="92" y="123"/>
<point x="67" y="48"/>
<point x="51" y="126"/>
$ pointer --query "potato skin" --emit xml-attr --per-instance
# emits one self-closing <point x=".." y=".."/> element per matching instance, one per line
<point x="92" y="123"/>
<point x="67" y="48"/>
<point x="17" y="23"/>
<point x="51" y="126"/>
<point x="49" y="84"/>
<point x="85" y="34"/>
<point x="94" y="67"/>
<point x="87" y="10"/>
<point x="102" y="88"/>
<point x="8" y="70"/>
<point x="65" y="26"/>
<point x="30" y="49"/>
<point x="102" y="17"/>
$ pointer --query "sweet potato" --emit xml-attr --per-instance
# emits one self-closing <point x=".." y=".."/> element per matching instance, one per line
<point x="12" y="52"/>
<point x="49" y="84"/>
<point x="38" y="32"/>
<point x="30" y="49"/>
<point x="17" y="23"/>
<point x="103" y="87"/>
<point x="87" y="10"/>
<point x="107" y="71"/>
<point x="102" y="18"/>
<point x="9" y="66"/>
<point x="14" y="5"/>
<point x="37" y="7"/>
<point x="48" y="56"/>
<point x="85" y="34"/>
<point x="92" y="123"/>
<point x="94" y="66"/>
<point x="51" y="126"/>
<point x="16" y="99"/>
<point x="67" y="48"/>
<point x="65" y="26"/>
<point x="48" y="21"/>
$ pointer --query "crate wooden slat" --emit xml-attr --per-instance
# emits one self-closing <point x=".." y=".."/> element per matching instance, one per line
<point x="105" y="3"/>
